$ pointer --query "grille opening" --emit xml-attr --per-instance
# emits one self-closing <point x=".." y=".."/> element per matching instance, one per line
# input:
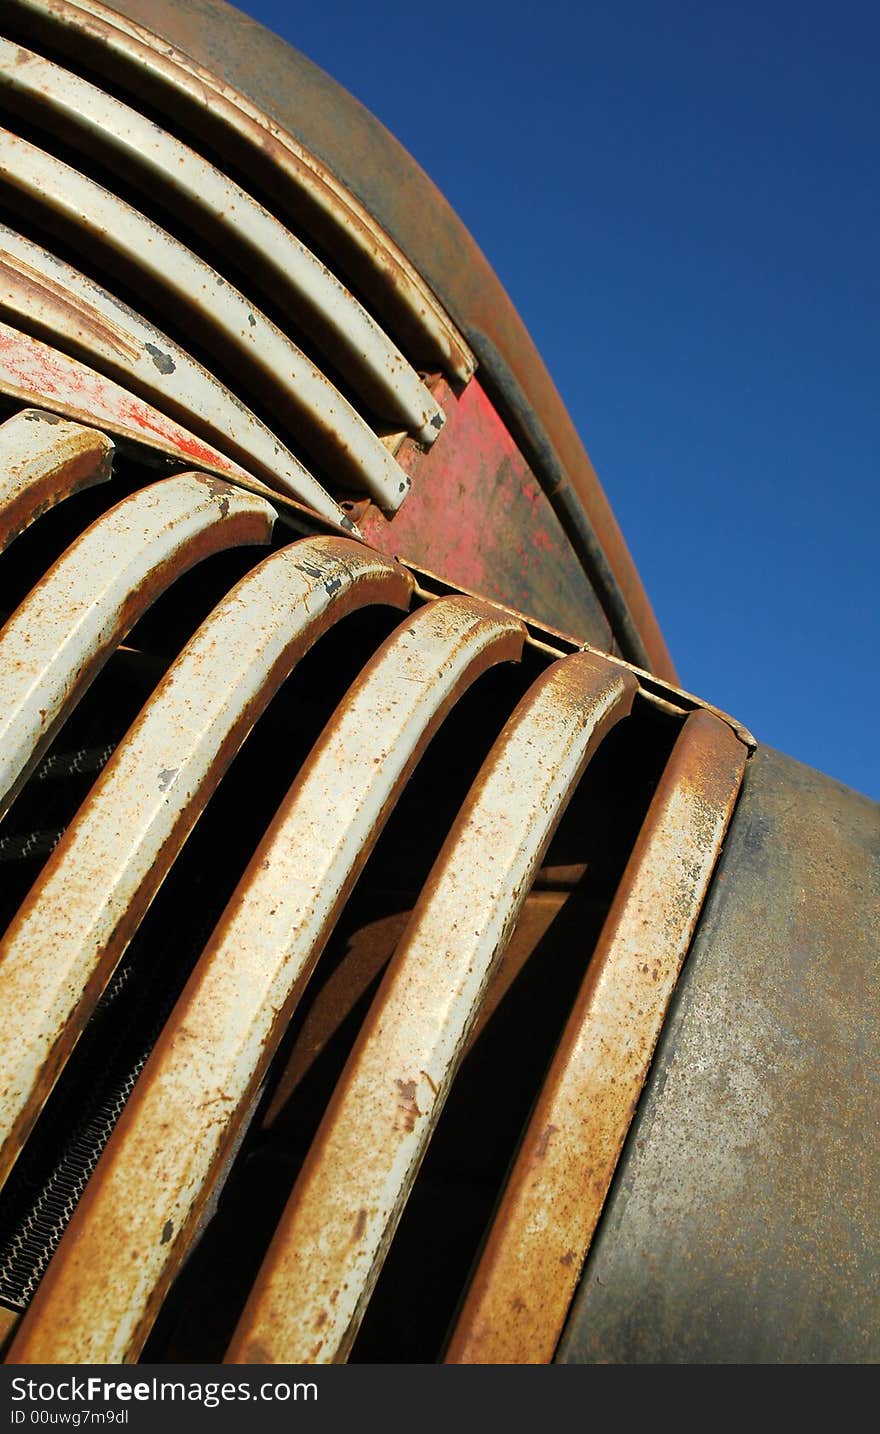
<point x="63" y="240"/>
<point x="462" y="1177"/>
<point x="52" y="1171"/>
<point x="171" y="620"/>
<point x="457" y="1189"/>
<point x="328" y="461"/>
<point x="29" y="556"/>
<point x="50" y="798"/>
<point x="212" y="242"/>
<point x="255" y="169"/>
<point x="60" y="782"/>
<point x="203" y="1307"/>
<point x="426" y="1270"/>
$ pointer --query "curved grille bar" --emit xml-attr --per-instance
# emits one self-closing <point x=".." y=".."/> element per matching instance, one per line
<point x="146" y="1054"/>
<point x="344" y="1209"/>
<point x="97" y="1301"/>
<point x="324" y="307"/>
<point x="384" y="268"/>
<point x="45" y="293"/>
<point x="294" y="384"/>
<point x="35" y="372"/>
<point x="517" y="1303"/>
<point x="58" y="639"/>
<point x="44" y="460"/>
<point x="90" y="897"/>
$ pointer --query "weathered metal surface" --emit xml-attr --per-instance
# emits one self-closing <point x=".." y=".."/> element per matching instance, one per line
<point x="529" y="1268"/>
<point x="8" y="1321"/>
<point x="680" y="702"/>
<point x="368" y="951"/>
<point x="36" y="373"/>
<point x="477" y="482"/>
<point x="370" y="163"/>
<point x="155" y="160"/>
<point x="290" y="382"/>
<point x="56" y="642"/>
<point x="48" y="295"/>
<point x="102" y="1289"/>
<point x="44" y="460"/>
<point x="319" y="1272"/>
<point x="179" y="86"/>
<point x="77" y="920"/>
<point x="742" y="1223"/>
<point x="553" y="643"/>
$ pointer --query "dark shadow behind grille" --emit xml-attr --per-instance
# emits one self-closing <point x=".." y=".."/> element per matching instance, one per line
<point x="464" y="1170"/>
<point x="255" y="170"/>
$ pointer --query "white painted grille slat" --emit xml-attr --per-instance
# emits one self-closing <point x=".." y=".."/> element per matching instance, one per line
<point x="42" y="291"/>
<point x="311" y="401"/>
<point x="364" y="352"/>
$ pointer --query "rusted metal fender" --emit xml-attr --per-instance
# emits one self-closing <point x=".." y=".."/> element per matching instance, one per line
<point x="742" y="1223"/>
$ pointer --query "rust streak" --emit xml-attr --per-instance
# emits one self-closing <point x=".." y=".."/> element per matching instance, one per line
<point x="556" y="1190"/>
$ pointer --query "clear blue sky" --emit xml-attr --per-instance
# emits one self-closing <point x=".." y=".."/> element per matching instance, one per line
<point x="682" y="199"/>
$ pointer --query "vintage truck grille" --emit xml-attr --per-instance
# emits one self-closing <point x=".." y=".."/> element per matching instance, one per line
<point x="149" y="246"/>
<point x="322" y="890"/>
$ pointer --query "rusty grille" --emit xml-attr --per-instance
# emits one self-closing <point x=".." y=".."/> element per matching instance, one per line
<point x="168" y="241"/>
<point x="322" y="889"/>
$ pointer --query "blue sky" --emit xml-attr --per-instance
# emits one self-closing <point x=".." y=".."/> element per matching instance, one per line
<point x="682" y="199"/>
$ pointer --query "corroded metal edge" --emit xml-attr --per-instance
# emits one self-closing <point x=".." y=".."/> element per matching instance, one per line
<point x="517" y="1302"/>
<point x="120" y="1252"/>
<point x="338" y="1224"/>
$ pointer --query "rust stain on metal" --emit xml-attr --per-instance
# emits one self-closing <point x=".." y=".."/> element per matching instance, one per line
<point x="519" y="1297"/>
<point x="741" y="1226"/>
<point x="675" y="699"/>
<point x="407" y="1105"/>
<point x="97" y="1302"/>
<point x="75" y="312"/>
<point x="44" y="460"/>
<point x="369" y="951"/>
<point x="113" y="857"/>
<point x="290" y="383"/>
<point x="544" y="1141"/>
<point x="38" y="374"/>
<point x="391" y="1092"/>
<point x="34" y="371"/>
<point x="303" y="285"/>
<point x="59" y="638"/>
<point x="339" y="219"/>
<point x="541" y="909"/>
<point x="371" y="162"/>
<point x="9" y="1320"/>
